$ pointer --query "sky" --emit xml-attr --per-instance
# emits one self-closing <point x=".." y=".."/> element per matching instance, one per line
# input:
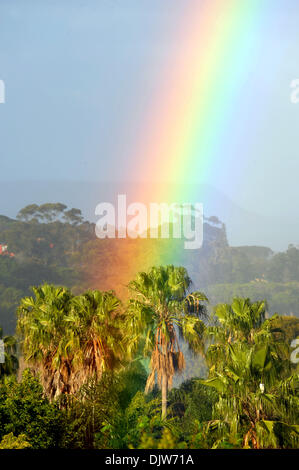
<point x="81" y="76"/>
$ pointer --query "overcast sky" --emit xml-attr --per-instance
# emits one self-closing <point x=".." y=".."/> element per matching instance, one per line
<point x="80" y="75"/>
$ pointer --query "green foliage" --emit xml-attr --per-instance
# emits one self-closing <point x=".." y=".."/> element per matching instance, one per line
<point x="143" y="417"/>
<point x="54" y="244"/>
<point x="133" y="378"/>
<point x="284" y="267"/>
<point x="28" y="212"/>
<point x="48" y="211"/>
<point x="251" y="370"/>
<point x="167" y="441"/>
<point x="93" y="413"/>
<point x="43" y="247"/>
<point x="9" y="301"/>
<point x="250" y="395"/>
<point x="191" y="402"/>
<point x="162" y="307"/>
<point x="289" y="326"/>
<point x="73" y="216"/>
<point x="281" y="297"/>
<point x="70" y="338"/>
<point x="9" y="441"/>
<point x="25" y="411"/>
<point x="97" y="413"/>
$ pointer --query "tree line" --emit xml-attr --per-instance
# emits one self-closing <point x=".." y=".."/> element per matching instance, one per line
<point x="54" y="244"/>
<point x="100" y="371"/>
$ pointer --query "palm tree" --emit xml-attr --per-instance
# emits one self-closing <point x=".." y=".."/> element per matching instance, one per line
<point x="95" y="333"/>
<point x="243" y="321"/>
<point x="247" y="360"/>
<point x="42" y="328"/>
<point x="241" y="318"/>
<point x="10" y="362"/>
<point x="160" y="309"/>
<point x="67" y="338"/>
<point x="251" y="399"/>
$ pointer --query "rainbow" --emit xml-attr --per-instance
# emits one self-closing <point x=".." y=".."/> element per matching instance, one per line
<point x="190" y="118"/>
<point x="194" y="114"/>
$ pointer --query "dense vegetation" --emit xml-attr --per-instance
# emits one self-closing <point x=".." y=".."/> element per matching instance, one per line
<point x="52" y="244"/>
<point x="88" y="383"/>
<point x="159" y="366"/>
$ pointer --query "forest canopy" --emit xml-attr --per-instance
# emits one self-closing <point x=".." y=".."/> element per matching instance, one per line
<point x="187" y="351"/>
<point x="51" y="243"/>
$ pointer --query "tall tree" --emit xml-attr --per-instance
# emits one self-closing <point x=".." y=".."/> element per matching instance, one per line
<point x="159" y="311"/>
<point x="95" y="333"/>
<point x="28" y="212"/>
<point x="240" y="319"/>
<point x="42" y="326"/>
<point x="69" y="339"/>
<point x="248" y="362"/>
<point x="73" y="216"/>
<point x="51" y="211"/>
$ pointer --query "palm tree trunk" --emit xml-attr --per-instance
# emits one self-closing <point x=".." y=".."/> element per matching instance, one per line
<point x="164" y="396"/>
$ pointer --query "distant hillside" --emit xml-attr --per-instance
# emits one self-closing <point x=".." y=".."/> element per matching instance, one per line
<point x="5" y="222"/>
<point x="282" y="298"/>
<point x="243" y="227"/>
<point x="56" y="245"/>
